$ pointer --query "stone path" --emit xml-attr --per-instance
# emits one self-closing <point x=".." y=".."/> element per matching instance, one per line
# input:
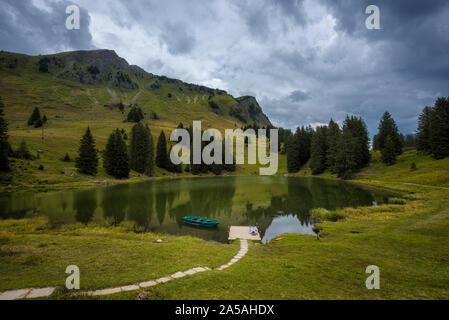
<point x="32" y="293"/>
<point x="27" y="293"/>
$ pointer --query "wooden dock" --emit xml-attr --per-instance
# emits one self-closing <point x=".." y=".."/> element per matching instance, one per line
<point x="236" y="232"/>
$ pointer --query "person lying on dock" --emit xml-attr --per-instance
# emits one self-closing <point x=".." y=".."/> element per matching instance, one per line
<point x="253" y="231"/>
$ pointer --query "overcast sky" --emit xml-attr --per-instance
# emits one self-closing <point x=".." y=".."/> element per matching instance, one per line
<point x="305" y="60"/>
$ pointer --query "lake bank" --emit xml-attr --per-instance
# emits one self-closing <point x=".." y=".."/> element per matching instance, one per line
<point x="407" y="242"/>
<point x="277" y="204"/>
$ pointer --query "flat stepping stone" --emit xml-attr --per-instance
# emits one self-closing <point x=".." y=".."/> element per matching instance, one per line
<point x="14" y="294"/>
<point x="40" y="293"/>
<point x="147" y="284"/>
<point x="106" y="292"/>
<point x="163" y="279"/>
<point x="199" y="269"/>
<point x="190" y="272"/>
<point x="133" y="287"/>
<point x="178" y="275"/>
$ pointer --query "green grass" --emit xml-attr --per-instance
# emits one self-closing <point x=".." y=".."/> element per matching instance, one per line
<point x="32" y="255"/>
<point x="408" y="242"/>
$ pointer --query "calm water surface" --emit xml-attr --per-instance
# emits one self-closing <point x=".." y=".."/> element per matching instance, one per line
<point x="278" y="204"/>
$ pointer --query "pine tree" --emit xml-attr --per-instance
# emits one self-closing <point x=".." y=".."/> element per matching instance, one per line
<point x="38" y="123"/>
<point x="353" y="147"/>
<point x="423" y="132"/>
<point x="66" y="158"/>
<point x="388" y="153"/>
<point x="35" y="116"/>
<point x="141" y="149"/>
<point x="356" y="128"/>
<point x="171" y="167"/>
<point x="376" y="142"/>
<point x="346" y="161"/>
<point x="4" y="145"/>
<point x="319" y="150"/>
<point x="304" y="144"/>
<point x="439" y="129"/>
<point x="298" y="148"/>
<point x="135" y="115"/>
<point x="115" y="156"/>
<point x="87" y="161"/>
<point x="333" y="137"/>
<point x="388" y="128"/>
<point x="22" y="152"/>
<point x="292" y="150"/>
<point x="161" y="151"/>
<point x="410" y="141"/>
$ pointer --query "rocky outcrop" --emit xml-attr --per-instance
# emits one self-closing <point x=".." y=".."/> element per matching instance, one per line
<point x="248" y="110"/>
<point x="93" y="67"/>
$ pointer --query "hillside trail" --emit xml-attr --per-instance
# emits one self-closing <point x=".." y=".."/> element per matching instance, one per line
<point x="91" y="96"/>
<point x="112" y="93"/>
<point x="136" y="97"/>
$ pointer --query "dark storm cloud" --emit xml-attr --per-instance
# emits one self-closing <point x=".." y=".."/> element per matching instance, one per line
<point x="395" y="15"/>
<point x="257" y="14"/>
<point x="299" y="95"/>
<point x="415" y="32"/>
<point x="28" y="29"/>
<point x="306" y="61"/>
<point x="178" y="37"/>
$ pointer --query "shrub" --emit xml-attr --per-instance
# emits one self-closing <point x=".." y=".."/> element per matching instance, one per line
<point x="135" y="115"/>
<point x="396" y="201"/>
<point x="324" y="214"/>
<point x="213" y="105"/>
<point x="93" y="70"/>
<point x="22" y="152"/>
<point x="413" y="167"/>
<point x="41" y="167"/>
<point x="317" y="229"/>
<point x="35" y="116"/>
<point x="66" y="158"/>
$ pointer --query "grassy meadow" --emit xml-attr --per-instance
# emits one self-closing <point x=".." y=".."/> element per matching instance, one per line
<point x="407" y="241"/>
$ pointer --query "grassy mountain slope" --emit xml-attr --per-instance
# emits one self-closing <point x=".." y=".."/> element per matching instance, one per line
<point x="84" y="88"/>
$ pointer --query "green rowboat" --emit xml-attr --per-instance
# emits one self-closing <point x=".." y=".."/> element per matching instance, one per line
<point x="202" y="222"/>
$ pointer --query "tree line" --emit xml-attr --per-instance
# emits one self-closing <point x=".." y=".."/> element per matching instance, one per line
<point x="342" y="151"/>
<point x="433" y="129"/>
<point x="119" y="159"/>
